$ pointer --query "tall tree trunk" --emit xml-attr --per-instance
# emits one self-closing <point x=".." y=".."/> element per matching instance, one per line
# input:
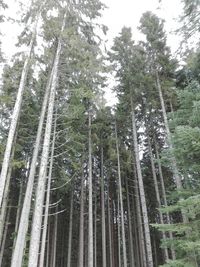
<point x="165" y="250"/>
<point x="95" y="228"/>
<point x="90" y="204"/>
<point x="176" y="175"/>
<point x="121" y="200"/>
<point x="81" y="227"/>
<point x="4" y="236"/>
<point x="110" y="231"/>
<point x="54" y="252"/>
<point x="132" y="259"/>
<point x="46" y="212"/>
<point x="140" y="227"/>
<point x="173" y="253"/>
<point x="103" y="224"/>
<point x="142" y="193"/>
<point x="37" y="217"/>
<point x="24" y="218"/>
<point x="6" y="194"/>
<point x="119" y="231"/>
<point x="17" y="110"/>
<point x="70" y="231"/>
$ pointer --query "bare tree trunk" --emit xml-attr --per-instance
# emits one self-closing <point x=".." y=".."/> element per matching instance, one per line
<point x="109" y="231"/>
<point x="6" y="195"/>
<point x="37" y="217"/>
<point x="177" y="177"/>
<point x="121" y="200"/>
<point x="48" y="247"/>
<point x="164" y="196"/>
<point x="16" y="111"/>
<point x="132" y="259"/>
<point x="24" y="218"/>
<point x="55" y="239"/>
<point x="4" y="236"/>
<point x="90" y="206"/>
<point x="140" y="226"/>
<point x="119" y="231"/>
<point x="103" y="213"/>
<point x="46" y="212"/>
<point x="70" y="231"/>
<point x="165" y="250"/>
<point x="81" y="231"/>
<point x="142" y="193"/>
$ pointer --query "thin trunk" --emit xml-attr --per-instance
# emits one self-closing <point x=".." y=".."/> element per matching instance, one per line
<point x="109" y="232"/>
<point x="132" y="260"/>
<point x="90" y="208"/>
<point x="103" y="225"/>
<point x="16" y="111"/>
<point x="165" y="250"/>
<point x="4" y="236"/>
<point x="81" y="227"/>
<point x="121" y="200"/>
<point x="164" y="195"/>
<point x="119" y="231"/>
<point x="142" y="193"/>
<point x="24" y="218"/>
<point x="37" y="217"/>
<point x="48" y="247"/>
<point x="176" y="175"/>
<point x="140" y="226"/>
<point x="46" y="212"/>
<point x="70" y="231"/>
<point x="6" y="195"/>
<point x="55" y="239"/>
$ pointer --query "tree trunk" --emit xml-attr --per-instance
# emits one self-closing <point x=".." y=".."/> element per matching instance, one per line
<point x="55" y="239"/>
<point x="110" y="231"/>
<point x="142" y="193"/>
<point x="37" y="217"/>
<point x="164" y="195"/>
<point x="46" y="212"/>
<point x="176" y="175"/>
<point x="165" y="250"/>
<point x="6" y="195"/>
<point x="24" y="218"/>
<point x="103" y="225"/>
<point x="90" y="206"/>
<point x="4" y="236"/>
<point x="16" y="111"/>
<point x="121" y="200"/>
<point x="131" y="249"/>
<point x="70" y="231"/>
<point x="119" y="231"/>
<point x="81" y="227"/>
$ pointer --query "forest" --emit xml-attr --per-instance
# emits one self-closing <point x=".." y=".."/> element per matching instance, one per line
<point x="86" y="184"/>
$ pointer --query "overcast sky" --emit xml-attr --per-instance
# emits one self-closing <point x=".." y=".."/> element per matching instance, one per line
<point x="118" y="14"/>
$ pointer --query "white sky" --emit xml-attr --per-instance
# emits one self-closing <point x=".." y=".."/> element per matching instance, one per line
<point x="119" y="13"/>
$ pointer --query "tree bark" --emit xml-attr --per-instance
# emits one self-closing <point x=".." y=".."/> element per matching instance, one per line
<point x="121" y="200"/>
<point x="46" y="212"/>
<point x="142" y="193"/>
<point x="131" y="248"/>
<point x="90" y="204"/>
<point x="173" y="253"/>
<point x="70" y="231"/>
<point x="24" y="218"/>
<point x="165" y="250"/>
<point x="176" y="175"/>
<point x="37" y="217"/>
<point x="110" y="231"/>
<point x="17" y="110"/>
<point x="103" y="225"/>
<point x="81" y="227"/>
